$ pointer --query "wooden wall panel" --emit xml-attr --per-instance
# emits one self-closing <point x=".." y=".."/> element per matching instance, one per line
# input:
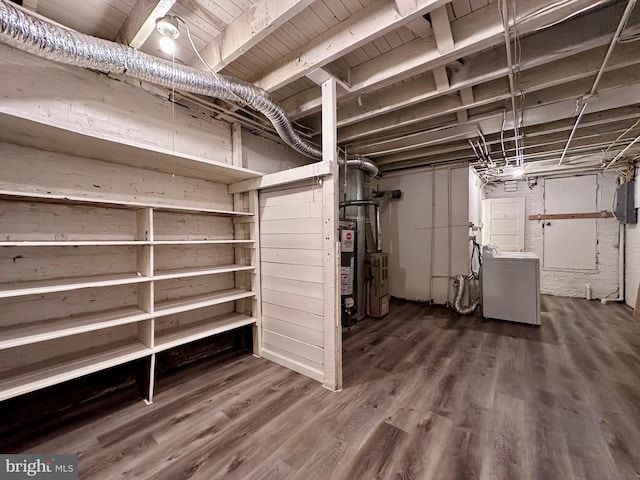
<point x="168" y="257"/>
<point x="25" y="221"/>
<point x="178" y="226"/>
<point x="172" y="289"/>
<point x="22" y="169"/>
<point x="292" y="281"/>
<point x="36" y="308"/>
<point x="24" y="264"/>
<point x="14" y="358"/>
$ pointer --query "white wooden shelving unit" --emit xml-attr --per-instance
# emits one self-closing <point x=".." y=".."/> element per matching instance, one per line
<point x="149" y="263"/>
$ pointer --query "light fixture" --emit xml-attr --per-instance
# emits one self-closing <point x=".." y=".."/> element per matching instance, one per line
<point x="167" y="26"/>
<point x="167" y="45"/>
<point x="518" y="173"/>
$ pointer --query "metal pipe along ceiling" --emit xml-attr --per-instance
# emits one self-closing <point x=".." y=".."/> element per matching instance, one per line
<point x="28" y="33"/>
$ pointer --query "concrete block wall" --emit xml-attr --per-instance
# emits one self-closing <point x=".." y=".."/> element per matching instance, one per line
<point x="632" y="255"/>
<point x="604" y="282"/>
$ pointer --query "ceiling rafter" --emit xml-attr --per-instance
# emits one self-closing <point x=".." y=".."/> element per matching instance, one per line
<point x="246" y="31"/>
<point x="141" y="21"/>
<point x="363" y="26"/>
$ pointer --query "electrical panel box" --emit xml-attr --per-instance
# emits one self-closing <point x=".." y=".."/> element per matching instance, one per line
<point x="626" y="203"/>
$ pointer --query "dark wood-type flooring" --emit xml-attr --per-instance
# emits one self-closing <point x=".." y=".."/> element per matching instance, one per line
<point x="428" y="395"/>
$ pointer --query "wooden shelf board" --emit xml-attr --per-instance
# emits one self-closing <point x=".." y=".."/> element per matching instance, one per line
<point x="199" y="271"/>
<point x="65" y="284"/>
<point x="65" y="368"/>
<point x="74" y="243"/>
<point x="104" y="202"/>
<point x="196" y="331"/>
<point x="25" y="334"/>
<point x="171" y="307"/>
<point x="202" y="242"/>
<point x="120" y="149"/>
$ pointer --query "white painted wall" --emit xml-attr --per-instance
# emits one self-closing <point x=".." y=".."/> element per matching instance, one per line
<point x="632" y="259"/>
<point x="268" y="156"/>
<point x="426" y="232"/>
<point x="604" y="282"/>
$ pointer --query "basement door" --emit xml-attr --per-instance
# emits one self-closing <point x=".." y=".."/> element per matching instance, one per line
<point x="570" y="244"/>
<point x="503" y="223"/>
<point x="299" y="279"/>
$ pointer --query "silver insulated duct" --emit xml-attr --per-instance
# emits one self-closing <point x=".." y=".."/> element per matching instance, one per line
<point x="459" y="283"/>
<point x="28" y="33"/>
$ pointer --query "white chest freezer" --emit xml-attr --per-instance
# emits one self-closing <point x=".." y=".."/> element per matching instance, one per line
<point x="511" y="287"/>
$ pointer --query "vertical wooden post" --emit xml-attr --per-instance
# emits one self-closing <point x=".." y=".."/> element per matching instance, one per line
<point x="254" y="227"/>
<point x="239" y="231"/>
<point x="331" y="246"/>
<point x="144" y="232"/>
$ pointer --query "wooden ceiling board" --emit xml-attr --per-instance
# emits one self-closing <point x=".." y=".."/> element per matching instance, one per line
<point x="199" y="25"/>
<point x="324" y="14"/>
<point x="393" y="39"/>
<point x="406" y="35"/>
<point x="310" y="25"/>
<point x="216" y="9"/>
<point x="337" y="8"/>
<point x="382" y="44"/>
<point x="195" y="8"/>
<point x="104" y="22"/>
<point x="461" y="8"/>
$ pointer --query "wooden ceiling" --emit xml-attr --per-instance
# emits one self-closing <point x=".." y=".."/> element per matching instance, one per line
<point x="420" y="81"/>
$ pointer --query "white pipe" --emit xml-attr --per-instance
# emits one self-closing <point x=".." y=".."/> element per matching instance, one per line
<point x="573" y="131"/>
<point x="623" y="21"/>
<point x="505" y="23"/>
<point x="619" y="156"/>
<point x="621" y="241"/>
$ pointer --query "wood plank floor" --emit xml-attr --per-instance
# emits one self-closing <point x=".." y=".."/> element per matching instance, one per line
<point x="428" y="395"/>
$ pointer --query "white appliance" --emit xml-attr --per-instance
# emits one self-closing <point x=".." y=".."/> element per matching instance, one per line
<point x="511" y="286"/>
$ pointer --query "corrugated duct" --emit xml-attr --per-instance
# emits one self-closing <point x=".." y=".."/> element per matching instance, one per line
<point x="28" y="33"/>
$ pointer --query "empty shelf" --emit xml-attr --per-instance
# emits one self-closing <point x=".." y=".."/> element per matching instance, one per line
<point x="171" y="307"/>
<point x="198" y="271"/>
<point x="73" y="243"/>
<point x="65" y="284"/>
<point x="203" y="242"/>
<point x="24" y="334"/>
<point x="65" y="368"/>
<point x="102" y="202"/>
<point x="196" y="331"/>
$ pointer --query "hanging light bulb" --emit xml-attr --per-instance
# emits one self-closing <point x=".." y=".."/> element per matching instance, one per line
<point x="167" y="26"/>
<point x="167" y="45"/>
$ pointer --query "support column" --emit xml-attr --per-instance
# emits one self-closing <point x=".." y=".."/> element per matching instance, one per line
<point x="331" y="245"/>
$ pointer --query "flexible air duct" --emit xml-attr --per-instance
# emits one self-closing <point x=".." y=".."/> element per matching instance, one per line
<point x="28" y="33"/>
<point x="459" y="284"/>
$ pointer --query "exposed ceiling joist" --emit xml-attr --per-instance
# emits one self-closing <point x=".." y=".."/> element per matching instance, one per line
<point x="442" y="29"/>
<point x="420" y="27"/>
<point x="363" y="26"/>
<point x="569" y="75"/>
<point x="141" y="21"/>
<point x="422" y="55"/>
<point x="246" y="31"/>
<point x="441" y="78"/>
<point x="404" y="7"/>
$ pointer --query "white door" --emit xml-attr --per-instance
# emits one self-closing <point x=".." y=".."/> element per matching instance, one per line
<point x="503" y="223"/>
<point x="570" y="244"/>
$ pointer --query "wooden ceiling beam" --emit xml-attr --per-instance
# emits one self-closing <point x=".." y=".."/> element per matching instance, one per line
<point x="250" y="28"/>
<point x="141" y="21"/>
<point x="442" y="30"/>
<point x="568" y="75"/>
<point x="560" y="41"/>
<point x="366" y="24"/>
